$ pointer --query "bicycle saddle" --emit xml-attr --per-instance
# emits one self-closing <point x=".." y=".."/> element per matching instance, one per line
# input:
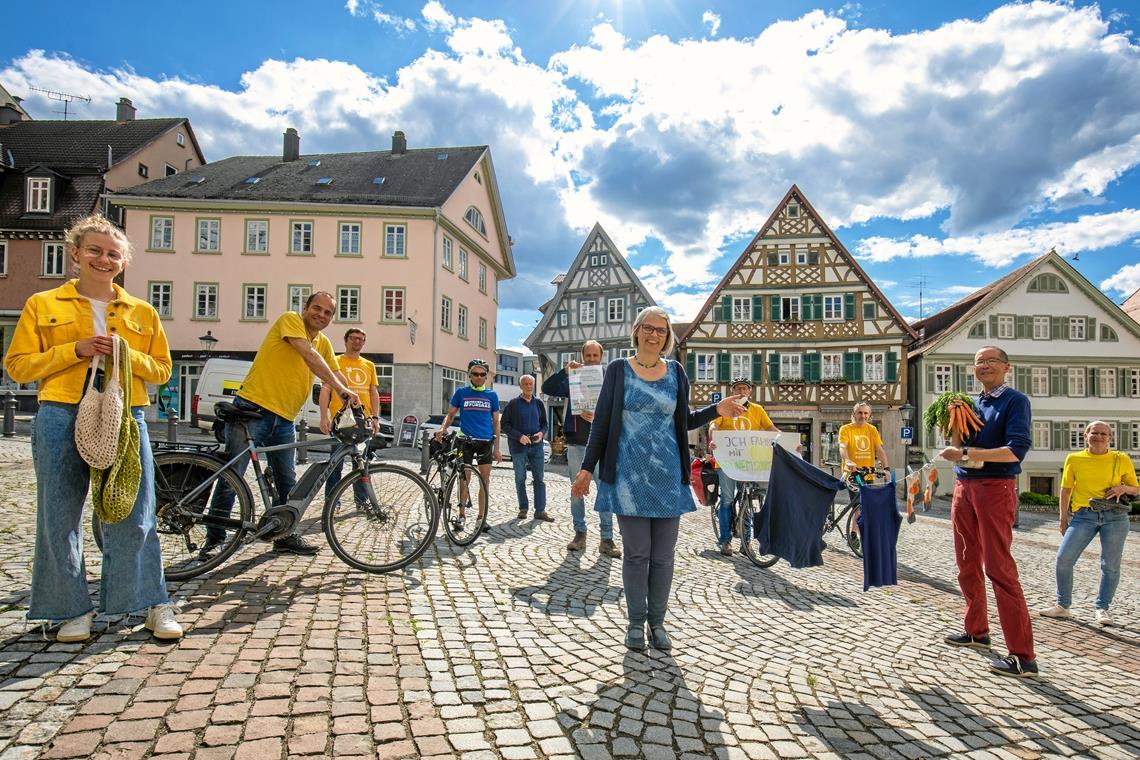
<point x="228" y="413"/>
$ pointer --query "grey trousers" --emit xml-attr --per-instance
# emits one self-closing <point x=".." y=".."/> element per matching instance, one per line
<point x="650" y="545"/>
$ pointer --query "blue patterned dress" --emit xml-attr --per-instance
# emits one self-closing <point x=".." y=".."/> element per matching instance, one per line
<point x="648" y="480"/>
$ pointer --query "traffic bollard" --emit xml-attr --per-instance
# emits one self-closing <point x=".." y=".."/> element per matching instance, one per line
<point x="172" y="427"/>
<point x="302" y="436"/>
<point x="425" y="454"/>
<point x="9" y="414"/>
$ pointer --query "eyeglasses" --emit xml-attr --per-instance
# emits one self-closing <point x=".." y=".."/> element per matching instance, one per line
<point x="662" y="331"/>
<point x="1095" y="432"/>
<point x="478" y="374"/>
<point x="95" y="252"/>
<point x="991" y="362"/>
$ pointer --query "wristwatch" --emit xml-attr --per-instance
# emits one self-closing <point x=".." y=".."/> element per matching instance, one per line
<point x="965" y="453"/>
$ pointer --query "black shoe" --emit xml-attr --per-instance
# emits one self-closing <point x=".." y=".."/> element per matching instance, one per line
<point x="1013" y="665"/>
<point x="661" y="638"/>
<point x="522" y="514"/>
<point x="635" y="638"/>
<point x="966" y="640"/>
<point x="209" y="548"/>
<point x="543" y="517"/>
<point x="295" y="545"/>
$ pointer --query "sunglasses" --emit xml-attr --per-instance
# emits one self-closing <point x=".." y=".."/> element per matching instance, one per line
<point x="478" y="374"/>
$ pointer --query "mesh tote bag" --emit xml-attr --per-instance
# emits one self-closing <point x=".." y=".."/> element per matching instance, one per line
<point x="114" y="489"/>
<point x="100" y="413"/>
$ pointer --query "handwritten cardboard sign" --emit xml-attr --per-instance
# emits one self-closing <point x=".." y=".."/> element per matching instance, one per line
<point x="747" y="454"/>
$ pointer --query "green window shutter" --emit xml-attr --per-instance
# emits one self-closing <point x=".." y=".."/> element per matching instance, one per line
<point x="817" y="307"/>
<point x="773" y="367"/>
<point x="757" y="367"/>
<point x="718" y="313"/>
<point x="1021" y="377"/>
<point x="960" y="378"/>
<point x="1093" y="381"/>
<point x="812" y="367"/>
<point x="853" y="367"/>
<point x="1054" y="381"/>
<point x="1122" y="380"/>
<point x="892" y="367"/>
<point x="849" y="306"/>
<point x="691" y="364"/>
<point x="813" y="256"/>
<point x="723" y="367"/>
<point x="773" y="259"/>
<point x="757" y="308"/>
<point x="1060" y="436"/>
<point x="1024" y="327"/>
<point x="775" y="301"/>
<point x="805" y="308"/>
<point x="993" y="326"/>
<point x="726" y="308"/>
<point x="929" y="377"/>
<point x="1064" y="373"/>
<point x="1090" y="328"/>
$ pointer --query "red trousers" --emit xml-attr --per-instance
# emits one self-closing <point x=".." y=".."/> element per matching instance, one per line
<point x="982" y="518"/>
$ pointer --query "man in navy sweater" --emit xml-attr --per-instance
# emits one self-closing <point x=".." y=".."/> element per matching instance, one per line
<point x="524" y="424"/>
<point x="982" y="514"/>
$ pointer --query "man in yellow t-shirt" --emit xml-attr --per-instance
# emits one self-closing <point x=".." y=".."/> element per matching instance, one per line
<point x="754" y="418"/>
<point x="360" y="373"/>
<point x="276" y="386"/>
<point x="859" y="442"/>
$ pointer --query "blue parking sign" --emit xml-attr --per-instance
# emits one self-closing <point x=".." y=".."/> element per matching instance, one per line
<point x="907" y="433"/>
<point x="716" y="397"/>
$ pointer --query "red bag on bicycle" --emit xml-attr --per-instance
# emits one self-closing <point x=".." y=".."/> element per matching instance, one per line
<point x="703" y="480"/>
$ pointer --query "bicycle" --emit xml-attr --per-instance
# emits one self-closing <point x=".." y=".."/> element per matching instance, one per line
<point x="853" y="479"/>
<point x="746" y="506"/>
<point x="386" y="531"/>
<point x="453" y="491"/>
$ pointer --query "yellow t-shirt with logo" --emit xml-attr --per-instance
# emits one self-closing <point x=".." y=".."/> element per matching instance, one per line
<point x="861" y="443"/>
<point x="754" y="418"/>
<point x="1090" y="475"/>
<point x="279" y="379"/>
<point x="361" y="375"/>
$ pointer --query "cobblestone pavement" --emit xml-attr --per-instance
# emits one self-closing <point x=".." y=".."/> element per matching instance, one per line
<point x="513" y="649"/>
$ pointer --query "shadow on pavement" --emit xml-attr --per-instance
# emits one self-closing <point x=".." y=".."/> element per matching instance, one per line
<point x="763" y="583"/>
<point x="572" y="588"/>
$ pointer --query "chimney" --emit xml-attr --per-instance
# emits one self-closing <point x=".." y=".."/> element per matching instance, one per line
<point x="124" y="111"/>
<point x="292" y="145"/>
<point x="399" y="143"/>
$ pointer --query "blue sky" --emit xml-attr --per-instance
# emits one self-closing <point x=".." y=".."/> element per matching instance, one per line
<point x="945" y="143"/>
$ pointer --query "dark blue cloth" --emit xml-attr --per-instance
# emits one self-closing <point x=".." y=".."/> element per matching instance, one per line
<point x="522" y="417"/>
<point x="476" y="410"/>
<point x="576" y="429"/>
<point x="797" y="504"/>
<point x="879" y="522"/>
<point x="605" y="432"/>
<point x="1007" y="421"/>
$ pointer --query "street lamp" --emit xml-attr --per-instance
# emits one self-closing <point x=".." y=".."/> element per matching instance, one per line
<point x="906" y="413"/>
<point x="207" y="342"/>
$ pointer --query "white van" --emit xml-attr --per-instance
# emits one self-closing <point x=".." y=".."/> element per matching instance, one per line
<point x="221" y="379"/>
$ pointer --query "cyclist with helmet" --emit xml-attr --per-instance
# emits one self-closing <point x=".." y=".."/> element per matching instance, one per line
<point x="754" y="418"/>
<point x="478" y="410"/>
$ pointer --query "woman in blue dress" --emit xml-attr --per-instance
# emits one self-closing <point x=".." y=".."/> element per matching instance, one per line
<point x="639" y="440"/>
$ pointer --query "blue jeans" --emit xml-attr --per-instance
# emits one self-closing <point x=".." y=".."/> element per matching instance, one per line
<point x="531" y="453"/>
<point x="1083" y="525"/>
<point x="727" y="494"/>
<point x="270" y="430"/>
<point x="574" y="456"/>
<point x="132" y="558"/>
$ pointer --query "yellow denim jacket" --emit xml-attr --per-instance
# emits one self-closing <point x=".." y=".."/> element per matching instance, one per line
<point x="53" y="321"/>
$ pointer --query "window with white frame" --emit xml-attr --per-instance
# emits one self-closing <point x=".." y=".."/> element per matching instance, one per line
<point x="1134" y="382"/>
<point x="833" y="308"/>
<point x="1039" y="381"/>
<point x="1041" y="328"/>
<point x="462" y="264"/>
<point x="565" y="357"/>
<point x="445" y="314"/>
<point x="475" y="219"/>
<point x="1076" y="328"/>
<point x="447" y="262"/>
<point x="1076" y="436"/>
<point x="1107" y="378"/>
<point x="625" y="353"/>
<point x="790" y="367"/>
<point x="587" y="312"/>
<point x="160" y="296"/>
<point x="298" y="294"/>
<point x="482" y="277"/>
<point x="741" y="366"/>
<point x="874" y="367"/>
<point x="1076" y="381"/>
<point x="563" y="318"/>
<point x="1134" y="437"/>
<point x="482" y="332"/>
<point x="790" y="308"/>
<point x="943" y="378"/>
<point x="972" y="384"/>
<point x="257" y="236"/>
<point x="348" y="303"/>
<point x="393" y="299"/>
<point x="253" y="296"/>
<point x="209" y="235"/>
<point x="831" y="365"/>
<point x="1042" y="435"/>
<point x="870" y="310"/>
<point x="741" y="309"/>
<point x="162" y="233"/>
<point x="785" y="255"/>
<point x="180" y="139"/>
<point x="169" y="170"/>
<point x="54" y="259"/>
<point x="302" y="237"/>
<point x="801" y="255"/>
<point x="206" y="300"/>
<point x="615" y="309"/>
<point x="3" y="258"/>
<point x="706" y="368"/>
<point x="1009" y="378"/>
<point x="461" y="321"/>
<point x="349" y="239"/>
<point x="1005" y="326"/>
<point x="396" y="241"/>
<point x="39" y="195"/>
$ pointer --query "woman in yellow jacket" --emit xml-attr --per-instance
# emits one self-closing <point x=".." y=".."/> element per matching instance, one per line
<point x="58" y="333"/>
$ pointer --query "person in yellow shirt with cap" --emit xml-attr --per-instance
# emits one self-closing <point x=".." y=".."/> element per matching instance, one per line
<point x="859" y="441"/>
<point x="360" y="374"/>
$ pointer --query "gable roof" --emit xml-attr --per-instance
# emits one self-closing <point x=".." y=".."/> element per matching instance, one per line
<point x="75" y="196"/>
<point x="73" y="144"/>
<point x="6" y="99"/>
<point x="564" y="284"/>
<point x="795" y="192"/>
<point x="938" y="327"/>
<point x="419" y="177"/>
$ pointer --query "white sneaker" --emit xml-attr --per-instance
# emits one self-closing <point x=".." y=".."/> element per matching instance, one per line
<point x="76" y="629"/>
<point x="1056" y="611"/>
<point x="160" y="619"/>
<point x="1103" y="617"/>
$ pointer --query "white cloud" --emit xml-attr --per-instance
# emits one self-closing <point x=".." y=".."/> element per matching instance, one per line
<point x="400" y="24"/>
<point x="1126" y="281"/>
<point x="712" y="21"/>
<point x="352" y="6"/>
<point x="436" y="17"/>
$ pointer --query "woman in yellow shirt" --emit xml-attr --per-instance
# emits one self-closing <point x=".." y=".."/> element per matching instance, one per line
<point x="58" y="333"/>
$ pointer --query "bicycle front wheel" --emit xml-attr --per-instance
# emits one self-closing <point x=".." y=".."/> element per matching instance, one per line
<point x="747" y="518"/>
<point x="381" y="518"/>
<point x="714" y="511"/>
<point x="465" y="505"/>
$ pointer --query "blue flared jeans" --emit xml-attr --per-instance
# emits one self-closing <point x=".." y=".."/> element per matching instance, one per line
<point x="1084" y="524"/>
<point x="132" y="559"/>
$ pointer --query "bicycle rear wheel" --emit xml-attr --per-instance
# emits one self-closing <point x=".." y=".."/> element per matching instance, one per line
<point x="851" y="531"/>
<point x="387" y="529"/>
<point x="465" y="505"/>
<point x="747" y="517"/>
<point x="714" y="510"/>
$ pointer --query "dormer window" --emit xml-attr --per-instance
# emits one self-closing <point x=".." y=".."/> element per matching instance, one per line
<point x="180" y="139"/>
<point x="475" y="219"/>
<point x="39" y="195"/>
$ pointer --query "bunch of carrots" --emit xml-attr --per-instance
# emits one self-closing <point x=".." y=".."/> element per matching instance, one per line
<point x="953" y="418"/>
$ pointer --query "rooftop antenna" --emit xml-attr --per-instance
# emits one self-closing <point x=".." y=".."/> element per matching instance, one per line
<point x="64" y="97"/>
<point x="921" y="287"/>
